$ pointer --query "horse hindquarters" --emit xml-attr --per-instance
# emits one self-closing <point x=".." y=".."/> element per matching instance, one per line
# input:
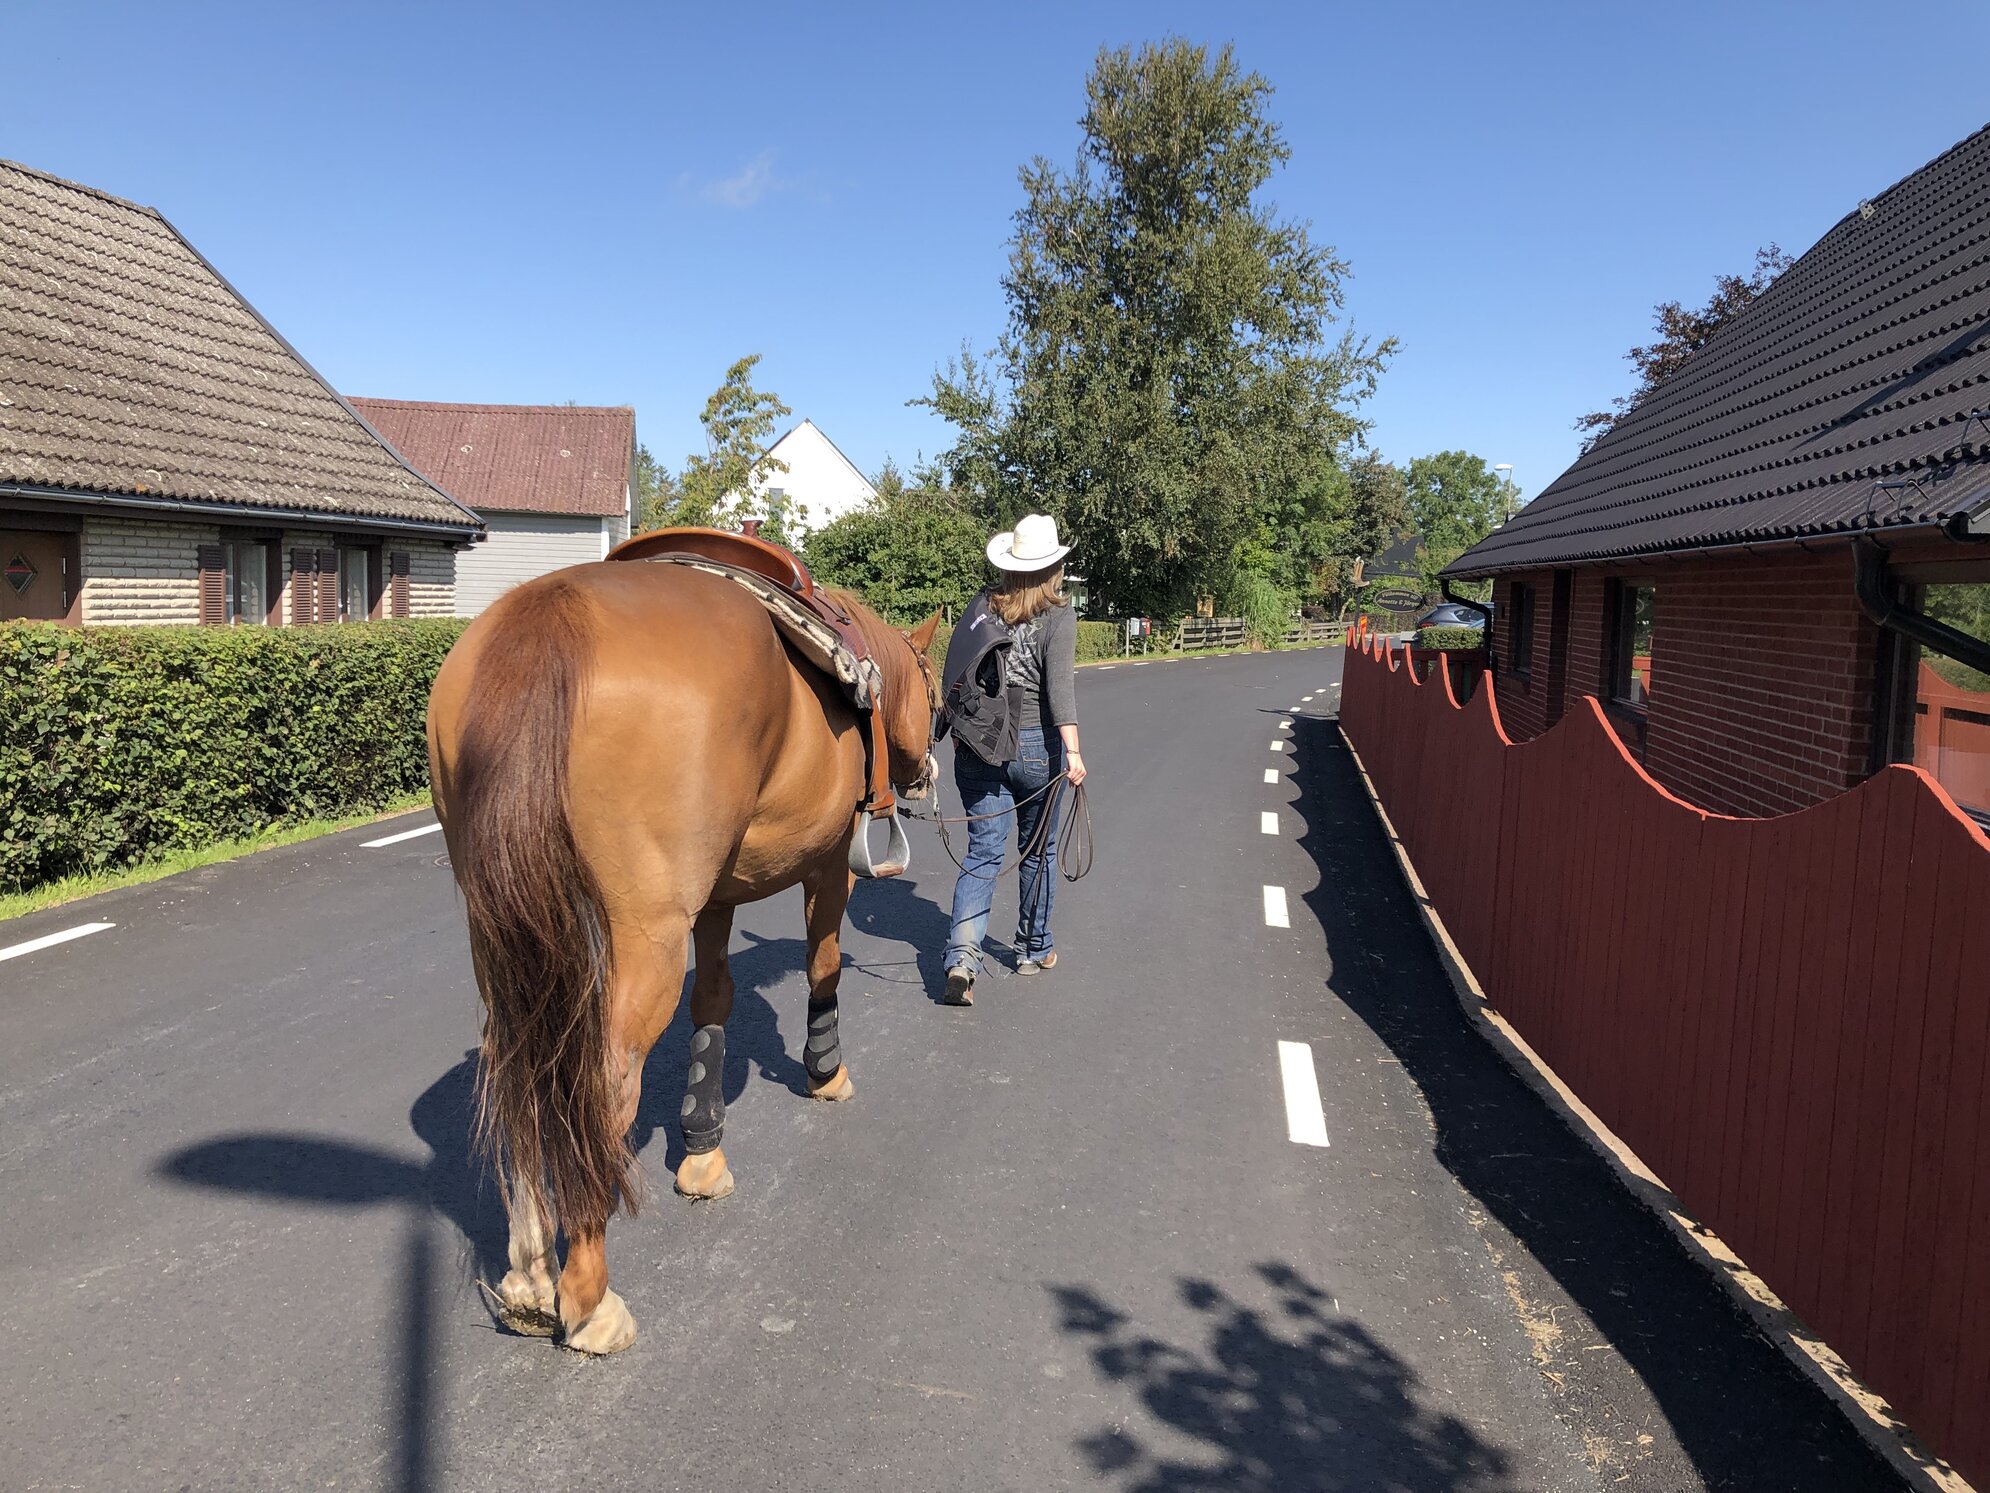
<point x="550" y="1092"/>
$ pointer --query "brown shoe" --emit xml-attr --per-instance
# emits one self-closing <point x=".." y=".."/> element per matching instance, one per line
<point x="1037" y="966"/>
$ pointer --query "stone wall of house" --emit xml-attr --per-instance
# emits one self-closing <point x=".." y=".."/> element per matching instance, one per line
<point x="431" y="578"/>
<point x="142" y="571"/>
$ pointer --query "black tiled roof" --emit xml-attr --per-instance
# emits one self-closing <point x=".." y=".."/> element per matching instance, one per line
<point x="1845" y="397"/>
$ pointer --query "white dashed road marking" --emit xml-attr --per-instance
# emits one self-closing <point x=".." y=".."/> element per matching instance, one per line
<point x="1278" y="746"/>
<point x="1268" y="822"/>
<point x="50" y="940"/>
<point x="406" y="834"/>
<point x="1305" y="1119"/>
<point x="1274" y="908"/>
<point x="1105" y="667"/>
<point x="1285" y="725"/>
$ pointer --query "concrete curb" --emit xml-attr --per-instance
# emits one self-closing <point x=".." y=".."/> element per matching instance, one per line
<point x="1869" y="1414"/>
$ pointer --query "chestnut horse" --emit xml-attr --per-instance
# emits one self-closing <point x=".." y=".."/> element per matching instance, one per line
<point x="621" y="755"/>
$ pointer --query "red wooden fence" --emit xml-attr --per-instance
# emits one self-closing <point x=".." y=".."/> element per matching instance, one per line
<point x="1787" y="1019"/>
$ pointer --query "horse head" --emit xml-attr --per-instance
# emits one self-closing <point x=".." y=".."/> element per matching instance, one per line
<point x="912" y="700"/>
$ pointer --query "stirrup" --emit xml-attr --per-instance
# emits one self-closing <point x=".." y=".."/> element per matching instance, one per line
<point x="897" y="848"/>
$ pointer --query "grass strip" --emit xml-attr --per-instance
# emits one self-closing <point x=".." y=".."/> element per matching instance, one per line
<point x="73" y="888"/>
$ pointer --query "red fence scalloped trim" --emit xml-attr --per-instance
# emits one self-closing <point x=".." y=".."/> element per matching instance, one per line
<point x="1788" y="1019"/>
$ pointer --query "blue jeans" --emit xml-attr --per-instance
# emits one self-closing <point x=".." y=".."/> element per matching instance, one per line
<point x="987" y="788"/>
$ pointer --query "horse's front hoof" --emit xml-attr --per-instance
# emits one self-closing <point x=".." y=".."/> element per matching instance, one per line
<point x="705" y="1176"/>
<point x="527" y="1304"/>
<point x="837" y="1089"/>
<point x="608" y="1329"/>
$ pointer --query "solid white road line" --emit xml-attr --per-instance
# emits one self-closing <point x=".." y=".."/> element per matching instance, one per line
<point x="1268" y="822"/>
<point x="50" y="940"/>
<point x="406" y="834"/>
<point x="1305" y="1118"/>
<point x="1274" y="908"/>
<point x="1271" y="775"/>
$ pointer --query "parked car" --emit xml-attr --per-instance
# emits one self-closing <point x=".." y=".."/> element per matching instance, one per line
<point x="1444" y="614"/>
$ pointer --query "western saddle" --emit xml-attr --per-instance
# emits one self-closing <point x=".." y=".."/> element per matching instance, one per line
<point x="821" y="631"/>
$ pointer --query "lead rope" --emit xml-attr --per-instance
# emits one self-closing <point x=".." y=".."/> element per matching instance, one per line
<point x="1074" y="836"/>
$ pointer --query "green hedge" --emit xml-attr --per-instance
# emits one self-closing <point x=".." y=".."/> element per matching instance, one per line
<point x="1450" y="637"/>
<point x="121" y="743"/>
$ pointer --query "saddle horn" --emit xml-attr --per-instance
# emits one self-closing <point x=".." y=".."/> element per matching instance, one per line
<point x="897" y="849"/>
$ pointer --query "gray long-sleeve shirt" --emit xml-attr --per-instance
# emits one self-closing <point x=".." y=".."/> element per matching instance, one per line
<point x="1043" y="661"/>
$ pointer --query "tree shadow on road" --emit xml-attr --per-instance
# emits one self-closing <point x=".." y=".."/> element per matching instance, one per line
<point x="1282" y="1397"/>
<point x="1741" y="1414"/>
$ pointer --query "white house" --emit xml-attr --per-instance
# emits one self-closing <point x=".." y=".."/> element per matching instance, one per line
<point x="550" y="482"/>
<point x="820" y="479"/>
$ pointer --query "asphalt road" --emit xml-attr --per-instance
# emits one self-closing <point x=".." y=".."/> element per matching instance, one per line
<point x="1061" y="1240"/>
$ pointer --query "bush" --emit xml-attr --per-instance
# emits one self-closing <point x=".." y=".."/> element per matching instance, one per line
<point x="1450" y="637"/>
<point x="1098" y="640"/>
<point x="1265" y="607"/>
<point x="121" y="743"/>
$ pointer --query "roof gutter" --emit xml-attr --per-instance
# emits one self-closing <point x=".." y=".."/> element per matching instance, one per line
<point x="1957" y="527"/>
<point x="1871" y="583"/>
<point x="62" y="499"/>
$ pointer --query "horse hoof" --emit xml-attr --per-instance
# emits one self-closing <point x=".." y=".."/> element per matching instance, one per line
<point x="528" y="1305"/>
<point x="705" y="1176"/>
<point x="608" y="1329"/>
<point x="837" y="1089"/>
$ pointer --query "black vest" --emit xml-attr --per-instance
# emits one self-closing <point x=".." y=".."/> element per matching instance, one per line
<point x="979" y="704"/>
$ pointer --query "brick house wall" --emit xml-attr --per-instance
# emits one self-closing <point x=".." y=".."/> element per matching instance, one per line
<point x="1763" y="680"/>
<point x="1763" y="676"/>
<point x="141" y="571"/>
<point x="431" y="579"/>
<point x="147" y="571"/>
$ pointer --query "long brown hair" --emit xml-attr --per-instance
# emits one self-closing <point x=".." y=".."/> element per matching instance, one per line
<point x="1025" y="595"/>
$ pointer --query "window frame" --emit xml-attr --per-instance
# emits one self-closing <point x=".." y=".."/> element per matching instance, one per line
<point x="1619" y="663"/>
<point x="1902" y="717"/>
<point x="232" y="573"/>
<point x="1520" y="640"/>
<point x="367" y="555"/>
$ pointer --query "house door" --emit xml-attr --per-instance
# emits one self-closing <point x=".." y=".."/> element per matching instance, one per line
<point x="32" y="582"/>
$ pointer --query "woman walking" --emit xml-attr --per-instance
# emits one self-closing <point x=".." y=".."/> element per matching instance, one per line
<point x="1041" y="677"/>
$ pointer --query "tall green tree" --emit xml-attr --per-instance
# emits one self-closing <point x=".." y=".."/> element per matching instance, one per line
<point x="1454" y="501"/>
<point x="1171" y="372"/>
<point x="1683" y="331"/>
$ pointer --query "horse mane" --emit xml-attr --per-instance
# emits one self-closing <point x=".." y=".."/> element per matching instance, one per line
<point x="883" y="640"/>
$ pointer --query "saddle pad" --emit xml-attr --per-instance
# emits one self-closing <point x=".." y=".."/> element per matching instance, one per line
<point x="814" y="639"/>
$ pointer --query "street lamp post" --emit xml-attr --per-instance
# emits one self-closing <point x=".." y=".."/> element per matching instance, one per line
<point x="1507" y="490"/>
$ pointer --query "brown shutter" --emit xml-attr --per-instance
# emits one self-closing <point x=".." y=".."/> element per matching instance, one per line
<point x="303" y="586"/>
<point x="213" y="585"/>
<point x="328" y="585"/>
<point x="397" y="585"/>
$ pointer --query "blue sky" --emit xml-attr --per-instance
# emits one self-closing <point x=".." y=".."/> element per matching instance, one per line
<point x="610" y="202"/>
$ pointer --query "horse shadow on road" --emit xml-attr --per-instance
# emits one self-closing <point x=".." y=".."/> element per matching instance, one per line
<point x="1741" y="1415"/>
<point x="1284" y="1395"/>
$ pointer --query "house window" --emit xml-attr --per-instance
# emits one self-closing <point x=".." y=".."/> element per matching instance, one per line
<point x="356" y="586"/>
<point x="1629" y="683"/>
<point x="1520" y="602"/>
<point x="245" y="581"/>
<point x="1951" y="701"/>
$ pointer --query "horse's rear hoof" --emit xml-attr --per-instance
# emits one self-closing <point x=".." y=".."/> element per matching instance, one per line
<point x="526" y="1304"/>
<point x="705" y="1176"/>
<point x="837" y="1089"/>
<point x="608" y="1329"/>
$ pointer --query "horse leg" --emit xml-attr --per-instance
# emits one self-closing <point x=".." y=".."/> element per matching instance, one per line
<point x="826" y="894"/>
<point x="704" y="1173"/>
<point x="648" y="974"/>
<point x="527" y="1296"/>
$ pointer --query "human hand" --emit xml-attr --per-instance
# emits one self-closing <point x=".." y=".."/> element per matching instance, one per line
<point x="1075" y="770"/>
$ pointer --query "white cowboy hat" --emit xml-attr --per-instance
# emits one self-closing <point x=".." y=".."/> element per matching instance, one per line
<point x="1031" y="545"/>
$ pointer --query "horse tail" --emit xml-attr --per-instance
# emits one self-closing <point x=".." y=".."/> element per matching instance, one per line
<point x="548" y="1112"/>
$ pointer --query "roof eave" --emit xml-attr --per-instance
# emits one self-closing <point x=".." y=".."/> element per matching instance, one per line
<point x="1929" y="528"/>
<point x="73" y="500"/>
